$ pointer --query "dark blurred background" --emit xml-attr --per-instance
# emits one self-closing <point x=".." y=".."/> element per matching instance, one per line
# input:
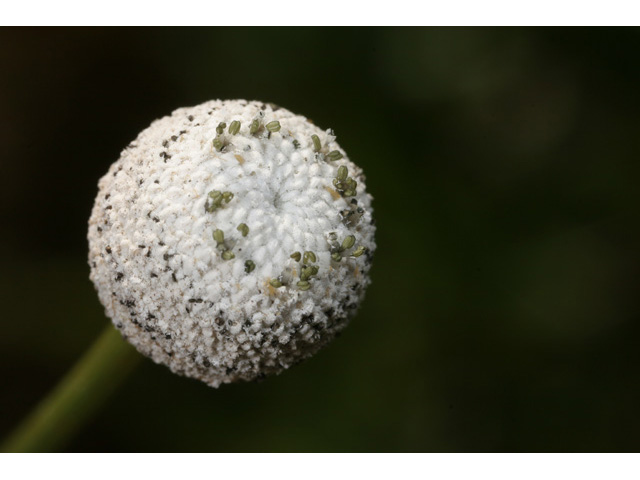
<point x="503" y="314"/>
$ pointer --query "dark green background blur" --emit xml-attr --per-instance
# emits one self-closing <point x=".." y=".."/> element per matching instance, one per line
<point x="504" y="310"/>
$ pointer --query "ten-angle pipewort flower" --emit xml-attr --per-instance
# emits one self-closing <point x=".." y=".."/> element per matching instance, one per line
<point x="231" y="240"/>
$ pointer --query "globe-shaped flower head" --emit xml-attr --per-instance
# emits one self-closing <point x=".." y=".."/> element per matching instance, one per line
<point x="231" y="240"/>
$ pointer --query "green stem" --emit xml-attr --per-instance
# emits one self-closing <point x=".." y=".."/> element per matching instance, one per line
<point x="78" y="395"/>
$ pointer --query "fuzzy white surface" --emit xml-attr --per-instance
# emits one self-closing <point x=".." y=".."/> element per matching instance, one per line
<point x="160" y="275"/>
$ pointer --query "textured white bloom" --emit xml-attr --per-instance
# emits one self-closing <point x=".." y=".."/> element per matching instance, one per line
<point x="231" y="240"/>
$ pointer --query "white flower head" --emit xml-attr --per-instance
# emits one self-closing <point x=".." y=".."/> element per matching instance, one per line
<point x="231" y="240"/>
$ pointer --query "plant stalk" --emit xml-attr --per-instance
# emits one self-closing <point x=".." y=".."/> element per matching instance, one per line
<point x="77" y="397"/>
